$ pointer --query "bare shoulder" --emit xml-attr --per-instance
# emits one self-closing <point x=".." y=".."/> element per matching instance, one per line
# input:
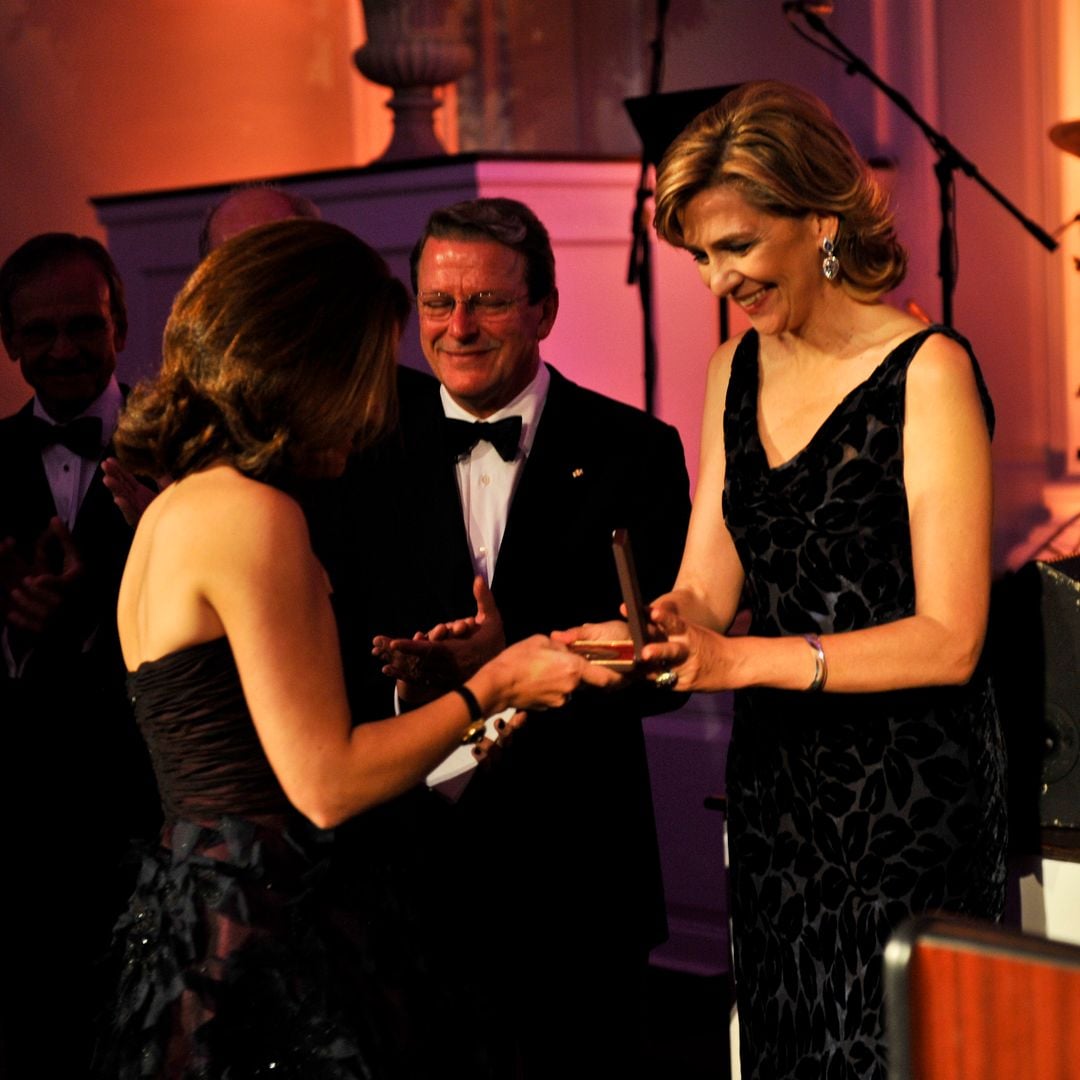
<point x="712" y="420"/>
<point x="224" y="496"/>
<point x="943" y="352"/>
<point x="720" y="364"/>
<point x="208" y="542"/>
<point x="224" y="521"/>
<point x="940" y="369"/>
<point x="946" y="405"/>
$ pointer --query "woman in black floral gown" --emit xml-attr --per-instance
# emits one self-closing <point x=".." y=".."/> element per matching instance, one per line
<point x="246" y="951"/>
<point x="845" y="487"/>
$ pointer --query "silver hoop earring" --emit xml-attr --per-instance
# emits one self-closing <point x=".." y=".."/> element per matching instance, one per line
<point x="830" y="264"/>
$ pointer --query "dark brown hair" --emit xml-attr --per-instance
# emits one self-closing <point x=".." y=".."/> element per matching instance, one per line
<point x="781" y="149"/>
<point x="280" y="345"/>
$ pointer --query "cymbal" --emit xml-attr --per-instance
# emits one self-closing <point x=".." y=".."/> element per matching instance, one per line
<point x="1066" y="136"/>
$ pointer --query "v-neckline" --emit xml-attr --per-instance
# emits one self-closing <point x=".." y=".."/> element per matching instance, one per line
<point x="834" y="412"/>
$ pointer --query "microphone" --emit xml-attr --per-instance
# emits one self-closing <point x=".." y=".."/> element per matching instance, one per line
<point x="808" y="7"/>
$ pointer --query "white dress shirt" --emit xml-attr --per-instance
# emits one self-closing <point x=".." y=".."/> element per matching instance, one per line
<point x="486" y="482"/>
<point x="69" y="474"/>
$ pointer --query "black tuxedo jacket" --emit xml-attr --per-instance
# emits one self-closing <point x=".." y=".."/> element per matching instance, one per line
<point x="70" y="738"/>
<point x="561" y="829"/>
<point x="76" y="779"/>
<point x="83" y="644"/>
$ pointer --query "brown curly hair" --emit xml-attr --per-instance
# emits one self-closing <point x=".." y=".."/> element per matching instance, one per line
<point x="780" y="147"/>
<point x="280" y="345"/>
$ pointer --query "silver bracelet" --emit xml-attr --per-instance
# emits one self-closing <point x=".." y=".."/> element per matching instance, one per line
<point x="821" y="667"/>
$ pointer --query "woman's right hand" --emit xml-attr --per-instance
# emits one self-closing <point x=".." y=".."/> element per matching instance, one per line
<point x="700" y="658"/>
<point x="538" y="673"/>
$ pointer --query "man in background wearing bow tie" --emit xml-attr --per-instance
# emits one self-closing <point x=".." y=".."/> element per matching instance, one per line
<point x="78" y="785"/>
<point x="514" y="477"/>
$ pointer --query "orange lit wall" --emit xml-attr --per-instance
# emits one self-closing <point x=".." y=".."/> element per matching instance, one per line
<point x="114" y="96"/>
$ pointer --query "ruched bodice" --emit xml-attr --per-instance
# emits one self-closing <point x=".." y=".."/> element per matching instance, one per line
<point x="256" y="944"/>
<point x="207" y="757"/>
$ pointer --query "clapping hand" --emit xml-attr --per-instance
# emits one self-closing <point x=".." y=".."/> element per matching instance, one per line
<point x="131" y="495"/>
<point x="432" y="661"/>
<point x="38" y="589"/>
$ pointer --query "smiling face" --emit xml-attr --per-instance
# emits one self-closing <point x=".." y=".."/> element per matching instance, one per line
<point x="483" y="359"/>
<point x="63" y="334"/>
<point x="769" y="265"/>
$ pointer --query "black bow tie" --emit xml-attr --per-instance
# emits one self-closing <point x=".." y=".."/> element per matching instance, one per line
<point x="82" y="436"/>
<point x="504" y="435"/>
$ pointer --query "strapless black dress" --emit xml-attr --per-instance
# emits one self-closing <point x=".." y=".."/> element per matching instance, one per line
<point x="247" y="950"/>
<point x="848" y="812"/>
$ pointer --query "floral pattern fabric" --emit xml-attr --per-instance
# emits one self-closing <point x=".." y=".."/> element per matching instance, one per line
<point x="847" y="812"/>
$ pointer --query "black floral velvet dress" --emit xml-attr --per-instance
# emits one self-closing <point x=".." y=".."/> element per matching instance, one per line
<point x="848" y="812"/>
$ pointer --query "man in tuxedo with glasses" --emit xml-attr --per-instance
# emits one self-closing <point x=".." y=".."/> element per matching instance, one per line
<point x="501" y="496"/>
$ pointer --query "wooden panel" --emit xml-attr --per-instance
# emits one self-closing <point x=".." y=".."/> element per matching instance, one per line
<point x="976" y="1002"/>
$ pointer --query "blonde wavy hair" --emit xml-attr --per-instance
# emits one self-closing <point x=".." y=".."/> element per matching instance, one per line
<point x="781" y="149"/>
<point x="280" y="345"/>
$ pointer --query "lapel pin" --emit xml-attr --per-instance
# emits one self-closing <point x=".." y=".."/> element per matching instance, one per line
<point x="576" y="473"/>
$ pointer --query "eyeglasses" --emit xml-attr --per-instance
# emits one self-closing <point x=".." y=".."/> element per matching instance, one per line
<point x="81" y="329"/>
<point x="438" y="307"/>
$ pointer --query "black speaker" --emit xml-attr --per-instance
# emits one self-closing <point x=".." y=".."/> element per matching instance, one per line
<point x="1035" y="656"/>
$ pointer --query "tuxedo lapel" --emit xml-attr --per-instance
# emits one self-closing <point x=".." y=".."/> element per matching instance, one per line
<point x="27" y="497"/>
<point x="550" y="492"/>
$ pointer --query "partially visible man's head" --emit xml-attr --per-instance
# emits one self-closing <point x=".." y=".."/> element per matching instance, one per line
<point x="63" y="319"/>
<point x="248" y="206"/>
<point x="484" y="276"/>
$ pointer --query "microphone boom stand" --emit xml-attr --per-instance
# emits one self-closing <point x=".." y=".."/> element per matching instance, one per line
<point x="949" y="160"/>
<point x="640" y="270"/>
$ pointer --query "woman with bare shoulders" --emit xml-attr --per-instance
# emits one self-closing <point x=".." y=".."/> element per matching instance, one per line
<point x="845" y="492"/>
<point x="237" y="962"/>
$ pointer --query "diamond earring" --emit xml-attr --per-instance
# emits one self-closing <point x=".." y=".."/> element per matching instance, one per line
<point x="830" y="264"/>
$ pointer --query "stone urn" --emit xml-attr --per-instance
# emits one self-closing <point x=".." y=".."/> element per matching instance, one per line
<point x="413" y="46"/>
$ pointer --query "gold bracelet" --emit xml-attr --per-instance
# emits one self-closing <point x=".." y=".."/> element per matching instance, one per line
<point x="475" y="731"/>
<point x="821" y="667"/>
